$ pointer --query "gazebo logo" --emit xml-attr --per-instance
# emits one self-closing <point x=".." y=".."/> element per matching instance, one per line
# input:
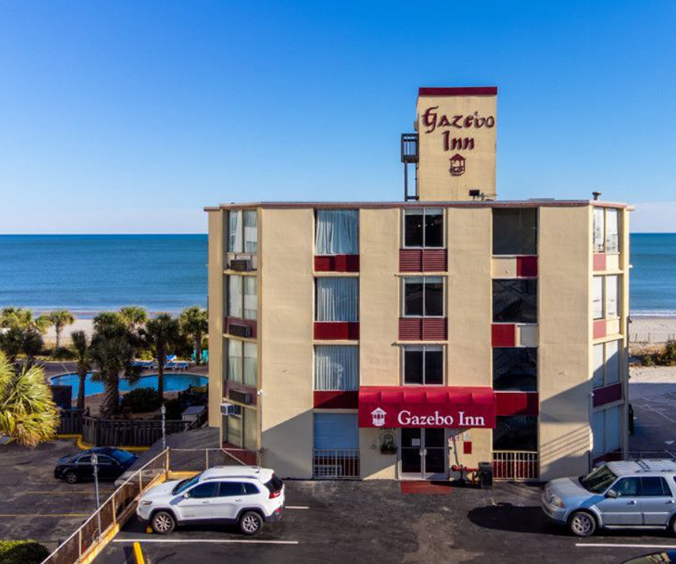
<point x="457" y="165"/>
<point x="378" y="417"/>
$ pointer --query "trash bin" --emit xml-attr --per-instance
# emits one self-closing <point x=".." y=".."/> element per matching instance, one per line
<point x="485" y="475"/>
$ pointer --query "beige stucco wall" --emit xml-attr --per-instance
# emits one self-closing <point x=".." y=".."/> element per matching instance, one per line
<point x="285" y="335"/>
<point x="469" y="297"/>
<point x="435" y="181"/>
<point x="215" y="258"/>
<point x="564" y="354"/>
<point x="379" y="356"/>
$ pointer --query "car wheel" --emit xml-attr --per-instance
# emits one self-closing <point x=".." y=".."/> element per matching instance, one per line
<point x="71" y="477"/>
<point x="250" y="523"/>
<point x="582" y="524"/>
<point x="163" y="523"/>
<point x="672" y="526"/>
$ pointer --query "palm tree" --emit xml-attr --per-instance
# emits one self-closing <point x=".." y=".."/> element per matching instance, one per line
<point x="112" y="350"/>
<point x="60" y="318"/>
<point x="134" y="316"/>
<point x="23" y="318"/>
<point x="194" y="324"/>
<point x="82" y="348"/>
<point x="16" y="340"/>
<point x="27" y="411"/>
<point x="160" y="334"/>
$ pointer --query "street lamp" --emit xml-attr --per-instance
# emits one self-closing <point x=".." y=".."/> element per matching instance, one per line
<point x="95" y="464"/>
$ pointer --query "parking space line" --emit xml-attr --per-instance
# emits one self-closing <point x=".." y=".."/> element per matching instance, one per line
<point x="296" y="507"/>
<point x="651" y="408"/>
<point x="618" y="545"/>
<point x="231" y="541"/>
<point x="35" y="515"/>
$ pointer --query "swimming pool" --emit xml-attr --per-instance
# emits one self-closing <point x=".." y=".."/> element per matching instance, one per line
<point x="172" y="383"/>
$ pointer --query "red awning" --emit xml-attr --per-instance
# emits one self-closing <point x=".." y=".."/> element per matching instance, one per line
<point x="407" y="406"/>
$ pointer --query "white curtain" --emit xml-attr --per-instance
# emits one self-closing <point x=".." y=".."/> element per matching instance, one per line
<point x="598" y="297"/>
<point x="599" y="361"/>
<point x="612" y="231"/>
<point x="611" y="295"/>
<point x="235" y="360"/>
<point x="599" y="229"/>
<point x="337" y="299"/>
<point x="612" y="362"/>
<point x="250" y="364"/>
<point x="250" y="232"/>
<point x="336" y="368"/>
<point x="250" y="298"/>
<point x="235" y="296"/>
<point x="235" y="232"/>
<point x="337" y="232"/>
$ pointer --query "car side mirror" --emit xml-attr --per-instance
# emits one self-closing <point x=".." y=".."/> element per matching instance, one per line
<point x="186" y="495"/>
<point x="612" y="494"/>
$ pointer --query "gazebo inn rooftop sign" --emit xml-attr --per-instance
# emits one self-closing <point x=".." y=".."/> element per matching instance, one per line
<point x="457" y="132"/>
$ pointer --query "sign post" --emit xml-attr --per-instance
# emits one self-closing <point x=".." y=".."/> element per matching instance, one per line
<point x="95" y="464"/>
<point x="163" y="410"/>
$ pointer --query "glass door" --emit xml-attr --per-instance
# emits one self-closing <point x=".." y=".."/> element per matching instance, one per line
<point x="423" y="454"/>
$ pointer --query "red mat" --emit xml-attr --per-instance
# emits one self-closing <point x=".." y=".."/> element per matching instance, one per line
<point x="422" y="487"/>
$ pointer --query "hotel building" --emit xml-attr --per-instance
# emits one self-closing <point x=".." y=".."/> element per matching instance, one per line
<point x="419" y="338"/>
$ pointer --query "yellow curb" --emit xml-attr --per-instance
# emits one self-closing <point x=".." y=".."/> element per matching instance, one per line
<point x="10" y="440"/>
<point x="86" y="446"/>
<point x="138" y="553"/>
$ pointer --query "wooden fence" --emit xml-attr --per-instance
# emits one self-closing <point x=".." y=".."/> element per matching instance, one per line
<point x="71" y="421"/>
<point x="128" y="432"/>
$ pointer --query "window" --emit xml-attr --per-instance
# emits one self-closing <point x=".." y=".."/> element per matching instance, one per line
<point x="627" y="487"/>
<point x="206" y="489"/>
<point x="250" y="441"/>
<point x="423" y="365"/>
<point x="599" y="230"/>
<point x="337" y="299"/>
<point x="250" y="363"/>
<point x="230" y="489"/>
<point x="85" y="459"/>
<point x="515" y="369"/>
<point x="597" y="298"/>
<point x="606" y="431"/>
<point x="424" y="227"/>
<point x="232" y="428"/>
<point x="337" y="232"/>
<point x="336" y="431"/>
<point x="612" y="292"/>
<point x="515" y="301"/>
<point x="250" y="489"/>
<point x="235" y="363"/>
<point x="336" y="367"/>
<point x="606" y="230"/>
<point x="423" y="296"/>
<point x="515" y="231"/>
<point x="242" y="297"/>
<point x="612" y="231"/>
<point x="654" y="486"/>
<point x="607" y="366"/>
<point x="516" y="432"/>
<point x="242" y="231"/>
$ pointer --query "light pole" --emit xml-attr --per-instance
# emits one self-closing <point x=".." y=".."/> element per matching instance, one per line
<point x="163" y="410"/>
<point x="95" y="464"/>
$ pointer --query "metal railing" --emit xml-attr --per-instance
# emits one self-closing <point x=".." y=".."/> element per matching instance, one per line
<point x="516" y="465"/>
<point x="650" y="454"/>
<point x="335" y="464"/>
<point x="115" y="510"/>
<point x="200" y="459"/>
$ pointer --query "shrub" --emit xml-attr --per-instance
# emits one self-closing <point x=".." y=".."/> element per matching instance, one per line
<point x="63" y="353"/>
<point x="174" y="409"/>
<point x="22" y="552"/>
<point x="647" y="360"/>
<point x="142" y="400"/>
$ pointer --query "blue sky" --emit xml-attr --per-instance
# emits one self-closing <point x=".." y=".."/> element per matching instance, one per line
<point x="131" y="116"/>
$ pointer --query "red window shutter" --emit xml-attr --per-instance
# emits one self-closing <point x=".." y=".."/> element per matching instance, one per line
<point x="410" y="260"/>
<point x="434" y="260"/>
<point x="503" y="335"/>
<point x="410" y="329"/>
<point x="434" y="329"/>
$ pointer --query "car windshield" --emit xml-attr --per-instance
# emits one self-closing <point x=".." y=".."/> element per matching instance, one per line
<point x="122" y="456"/>
<point x="185" y="484"/>
<point x="598" y="480"/>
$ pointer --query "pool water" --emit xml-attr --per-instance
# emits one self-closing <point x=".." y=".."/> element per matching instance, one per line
<point x="172" y="383"/>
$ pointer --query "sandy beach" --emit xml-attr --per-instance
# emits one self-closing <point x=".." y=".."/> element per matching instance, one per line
<point x="86" y="325"/>
<point x="646" y="330"/>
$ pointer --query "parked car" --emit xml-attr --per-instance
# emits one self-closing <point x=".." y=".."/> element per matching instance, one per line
<point x="626" y="494"/>
<point x="246" y="495"/>
<point x="112" y="463"/>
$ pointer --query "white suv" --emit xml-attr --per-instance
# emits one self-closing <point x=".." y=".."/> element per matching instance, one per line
<point x="245" y="495"/>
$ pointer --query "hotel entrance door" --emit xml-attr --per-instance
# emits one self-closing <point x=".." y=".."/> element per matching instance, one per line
<point x="423" y="454"/>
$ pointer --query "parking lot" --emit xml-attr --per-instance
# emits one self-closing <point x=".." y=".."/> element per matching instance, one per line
<point x="358" y="522"/>
<point x="34" y="505"/>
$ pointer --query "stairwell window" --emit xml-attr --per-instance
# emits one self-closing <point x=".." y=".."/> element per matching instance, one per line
<point x="242" y="231"/>
<point x="336" y="368"/>
<point x="423" y="296"/>
<point x="423" y="366"/>
<point x="515" y="231"/>
<point x="424" y="228"/>
<point x="337" y="299"/>
<point x="515" y="369"/>
<point x="515" y="301"/>
<point x="337" y="232"/>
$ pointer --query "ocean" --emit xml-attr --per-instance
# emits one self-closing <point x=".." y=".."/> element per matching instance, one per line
<point x="91" y="273"/>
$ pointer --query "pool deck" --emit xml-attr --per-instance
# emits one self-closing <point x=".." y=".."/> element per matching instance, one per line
<point x="58" y="368"/>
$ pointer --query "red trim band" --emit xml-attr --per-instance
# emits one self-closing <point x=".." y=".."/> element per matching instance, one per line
<point x="462" y="91"/>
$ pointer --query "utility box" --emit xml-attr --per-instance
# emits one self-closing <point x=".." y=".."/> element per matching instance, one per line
<point x="485" y="475"/>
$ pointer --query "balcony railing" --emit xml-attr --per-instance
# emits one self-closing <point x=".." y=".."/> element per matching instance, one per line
<point x="516" y="465"/>
<point x="336" y="464"/>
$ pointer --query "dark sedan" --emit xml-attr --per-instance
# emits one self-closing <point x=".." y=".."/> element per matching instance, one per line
<point x="112" y="463"/>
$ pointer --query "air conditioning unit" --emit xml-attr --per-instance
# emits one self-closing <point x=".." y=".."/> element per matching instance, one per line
<point x="228" y="408"/>
<point x="239" y="330"/>
<point x="241" y="397"/>
<point x="241" y="265"/>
